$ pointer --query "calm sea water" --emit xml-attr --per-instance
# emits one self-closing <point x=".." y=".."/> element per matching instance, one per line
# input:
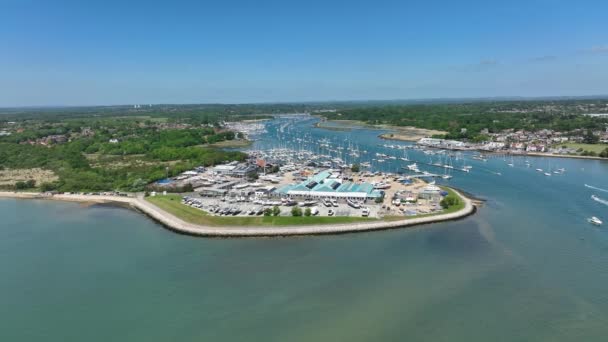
<point x="526" y="267"/>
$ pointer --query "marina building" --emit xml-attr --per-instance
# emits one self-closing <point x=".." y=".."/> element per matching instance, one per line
<point x="241" y="170"/>
<point x="328" y="185"/>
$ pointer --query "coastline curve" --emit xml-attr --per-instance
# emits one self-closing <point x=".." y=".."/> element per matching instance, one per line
<point x="180" y="226"/>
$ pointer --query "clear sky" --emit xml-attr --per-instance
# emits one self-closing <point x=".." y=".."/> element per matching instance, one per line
<point x="125" y="52"/>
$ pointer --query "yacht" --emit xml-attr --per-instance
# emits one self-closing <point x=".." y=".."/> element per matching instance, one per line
<point x="382" y="186"/>
<point x="330" y="212"/>
<point x="334" y="202"/>
<point x="413" y="167"/>
<point x="595" y="221"/>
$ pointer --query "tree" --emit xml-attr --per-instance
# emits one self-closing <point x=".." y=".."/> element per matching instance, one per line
<point x="44" y="187"/>
<point x="296" y="211"/>
<point x="253" y="176"/>
<point x="355" y="168"/>
<point x="307" y="212"/>
<point x="276" y="211"/>
<point x="267" y="212"/>
<point x="449" y="201"/>
<point x="590" y="138"/>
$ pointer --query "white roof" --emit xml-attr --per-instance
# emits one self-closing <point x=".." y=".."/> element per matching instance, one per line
<point x="224" y="167"/>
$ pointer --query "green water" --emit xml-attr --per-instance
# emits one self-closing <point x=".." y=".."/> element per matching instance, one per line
<point x="526" y="267"/>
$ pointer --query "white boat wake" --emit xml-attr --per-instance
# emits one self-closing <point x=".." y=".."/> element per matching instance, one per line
<point x="592" y="187"/>
<point x="597" y="199"/>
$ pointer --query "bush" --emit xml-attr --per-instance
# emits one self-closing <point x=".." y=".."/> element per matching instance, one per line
<point x="296" y="211"/>
<point x="276" y="211"/>
<point x="355" y="168"/>
<point x="307" y="212"/>
<point x="44" y="187"/>
<point x="25" y="185"/>
<point x="267" y="212"/>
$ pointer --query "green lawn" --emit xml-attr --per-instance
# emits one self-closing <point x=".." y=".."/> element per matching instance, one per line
<point x="235" y="143"/>
<point x="597" y="148"/>
<point x="172" y="204"/>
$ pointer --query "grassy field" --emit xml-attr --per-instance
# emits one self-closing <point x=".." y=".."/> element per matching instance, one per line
<point x="597" y="148"/>
<point x="236" y="143"/>
<point x="172" y="204"/>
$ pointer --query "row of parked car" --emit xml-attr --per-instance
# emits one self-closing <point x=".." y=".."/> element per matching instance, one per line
<point x="219" y="210"/>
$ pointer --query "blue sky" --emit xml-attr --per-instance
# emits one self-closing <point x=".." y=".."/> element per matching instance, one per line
<point x="124" y="52"/>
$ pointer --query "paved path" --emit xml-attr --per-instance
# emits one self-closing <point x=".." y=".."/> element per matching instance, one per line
<point x="178" y="225"/>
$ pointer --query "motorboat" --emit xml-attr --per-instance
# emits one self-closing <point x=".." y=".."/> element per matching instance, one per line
<point x="595" y="221"/>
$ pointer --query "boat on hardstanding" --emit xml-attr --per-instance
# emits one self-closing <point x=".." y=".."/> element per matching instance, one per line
<point x="353" y="204"/>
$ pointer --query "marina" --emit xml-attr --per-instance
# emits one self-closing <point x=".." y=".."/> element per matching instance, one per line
<point x="500" y="252"/>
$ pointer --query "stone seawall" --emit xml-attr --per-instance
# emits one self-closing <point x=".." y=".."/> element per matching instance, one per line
<point x="180" y="226"/>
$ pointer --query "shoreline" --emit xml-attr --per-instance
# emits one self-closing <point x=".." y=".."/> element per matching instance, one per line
<point x="180" y="226"/>
<point x="396" y="137"/>
<point x="400" y="133"/>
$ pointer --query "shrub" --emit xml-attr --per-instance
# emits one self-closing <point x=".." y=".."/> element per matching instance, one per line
<point x="276" y="211"/>
<point x="307" y="212"/>
<point x="267" y="212"/>
<point x="296" y="211"/>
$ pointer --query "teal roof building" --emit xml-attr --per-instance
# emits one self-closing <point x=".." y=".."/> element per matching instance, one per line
<point x="325" y="185"/>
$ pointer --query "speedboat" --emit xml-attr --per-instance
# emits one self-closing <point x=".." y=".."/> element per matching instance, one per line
<point x="595" y="221"/>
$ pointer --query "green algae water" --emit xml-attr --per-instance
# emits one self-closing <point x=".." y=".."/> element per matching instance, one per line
<point x="526" y="267"/>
